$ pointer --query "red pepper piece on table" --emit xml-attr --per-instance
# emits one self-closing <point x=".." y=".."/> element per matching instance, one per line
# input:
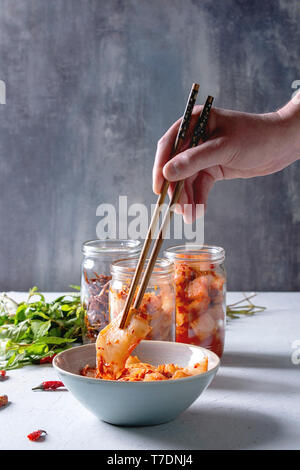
<point x="47" y="360"/>
<point x="3" y="400"/>
<point x="2" y="373"/>
<point x="37" y="435"/>
<point x="50" y="385"/>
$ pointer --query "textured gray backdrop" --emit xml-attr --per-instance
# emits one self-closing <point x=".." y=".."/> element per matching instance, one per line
<point x="92" y="85"/>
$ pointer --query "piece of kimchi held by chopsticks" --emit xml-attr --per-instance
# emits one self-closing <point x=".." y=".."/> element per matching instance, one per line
<point x="114" y="345"/>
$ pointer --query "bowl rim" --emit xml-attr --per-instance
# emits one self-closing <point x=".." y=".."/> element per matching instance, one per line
<point x="150" y="382"/>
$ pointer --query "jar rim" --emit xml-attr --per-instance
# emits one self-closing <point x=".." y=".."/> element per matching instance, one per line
<point x="116" y="247"/>
<point x="195" y="253"/>
<point x="128" y="265"/>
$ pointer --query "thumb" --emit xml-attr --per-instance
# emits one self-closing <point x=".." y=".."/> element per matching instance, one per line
<point x="191" y="161"/>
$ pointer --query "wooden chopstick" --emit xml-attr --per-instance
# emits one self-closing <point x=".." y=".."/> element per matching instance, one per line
<point x="200" y="127"/>
<point x="155" y="217"/>
<point x="199" y="133"/>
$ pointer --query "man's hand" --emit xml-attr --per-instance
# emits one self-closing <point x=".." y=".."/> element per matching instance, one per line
<point x="239" y="145"/>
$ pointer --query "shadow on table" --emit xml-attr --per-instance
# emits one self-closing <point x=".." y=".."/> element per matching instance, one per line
<point x="209" y="428"/>
<point x="241" y="383"/>
<point x="258" y="360"/>
<point x="2" y="408"/>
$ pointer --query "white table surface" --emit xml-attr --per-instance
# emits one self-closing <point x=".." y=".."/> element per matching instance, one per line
<point x="253" y="402"/>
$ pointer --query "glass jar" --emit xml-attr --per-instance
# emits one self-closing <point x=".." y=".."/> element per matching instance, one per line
<point x="95" y="276"/>
<point x="200" y="283"/>
<point x="158" y="300"/>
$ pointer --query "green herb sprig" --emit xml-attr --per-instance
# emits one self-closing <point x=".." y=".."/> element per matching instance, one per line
<point x="33" y="330"/>
<point x="243" y="307"/>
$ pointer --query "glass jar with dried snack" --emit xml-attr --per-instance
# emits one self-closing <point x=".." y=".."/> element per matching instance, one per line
<point x="97" y="258"/>
<point x="158" y="300"/>
<point x="200" y="283"/>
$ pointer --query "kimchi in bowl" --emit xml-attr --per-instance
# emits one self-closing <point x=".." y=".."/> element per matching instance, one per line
<point x="137" y="403"/>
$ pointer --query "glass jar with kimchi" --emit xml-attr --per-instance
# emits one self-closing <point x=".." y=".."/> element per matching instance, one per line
<point x="200" y="283"/>
<point x="158" y="301"/>
<point x="95" y="277"/>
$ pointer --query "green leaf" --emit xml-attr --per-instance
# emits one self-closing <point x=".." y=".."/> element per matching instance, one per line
<point x="20" y="314"/>
<point x="54" y="332"/>
<point x="14" y="360"/>
<point x="15" y="332"/>
<point x="36" y="313"/>
<point x="58" y="300"/>
<point x="4" y="319"/>
<point x="55" y="340"/>
<point x="33" y="292"/>
<point x="37" y="349"/>
<point x="8" y="306"/>
<point x="66" y="308"/>
<point x="39" y="328"/>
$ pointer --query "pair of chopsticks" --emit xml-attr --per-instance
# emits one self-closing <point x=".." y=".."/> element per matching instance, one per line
<point x="198" y="133"/>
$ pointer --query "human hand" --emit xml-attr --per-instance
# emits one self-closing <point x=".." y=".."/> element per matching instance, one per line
<point x="239" y="145"/>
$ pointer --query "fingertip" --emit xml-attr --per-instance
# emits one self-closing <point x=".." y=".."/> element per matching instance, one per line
<point x="155" y="183"/>
<point x="157" y="186"/>
<point x="154" y="186"/>
<point x="157" y="180"/>
<point x="170" y="171"/>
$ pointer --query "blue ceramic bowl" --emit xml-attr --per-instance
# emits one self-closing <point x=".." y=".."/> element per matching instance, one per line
<point x="137" y="403"/>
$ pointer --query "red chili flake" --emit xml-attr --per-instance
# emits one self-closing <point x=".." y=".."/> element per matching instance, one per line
<point x="3" y="400"/>
<point x="2" y="373"/>
<point x="50" y="385"/>
<point x="37" y="435"/>
<point x="47" y="360"/>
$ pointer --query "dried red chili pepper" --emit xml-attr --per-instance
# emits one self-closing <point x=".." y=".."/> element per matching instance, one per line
<point x="47" y="360"/>
<point x="2" y="373"/>
<point x="36" y="435"/>
<point x="3" y="400"/>
<point x="50" y="385"/>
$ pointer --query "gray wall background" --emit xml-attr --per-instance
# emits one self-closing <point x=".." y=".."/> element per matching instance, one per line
<point x="92" y="85"/>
